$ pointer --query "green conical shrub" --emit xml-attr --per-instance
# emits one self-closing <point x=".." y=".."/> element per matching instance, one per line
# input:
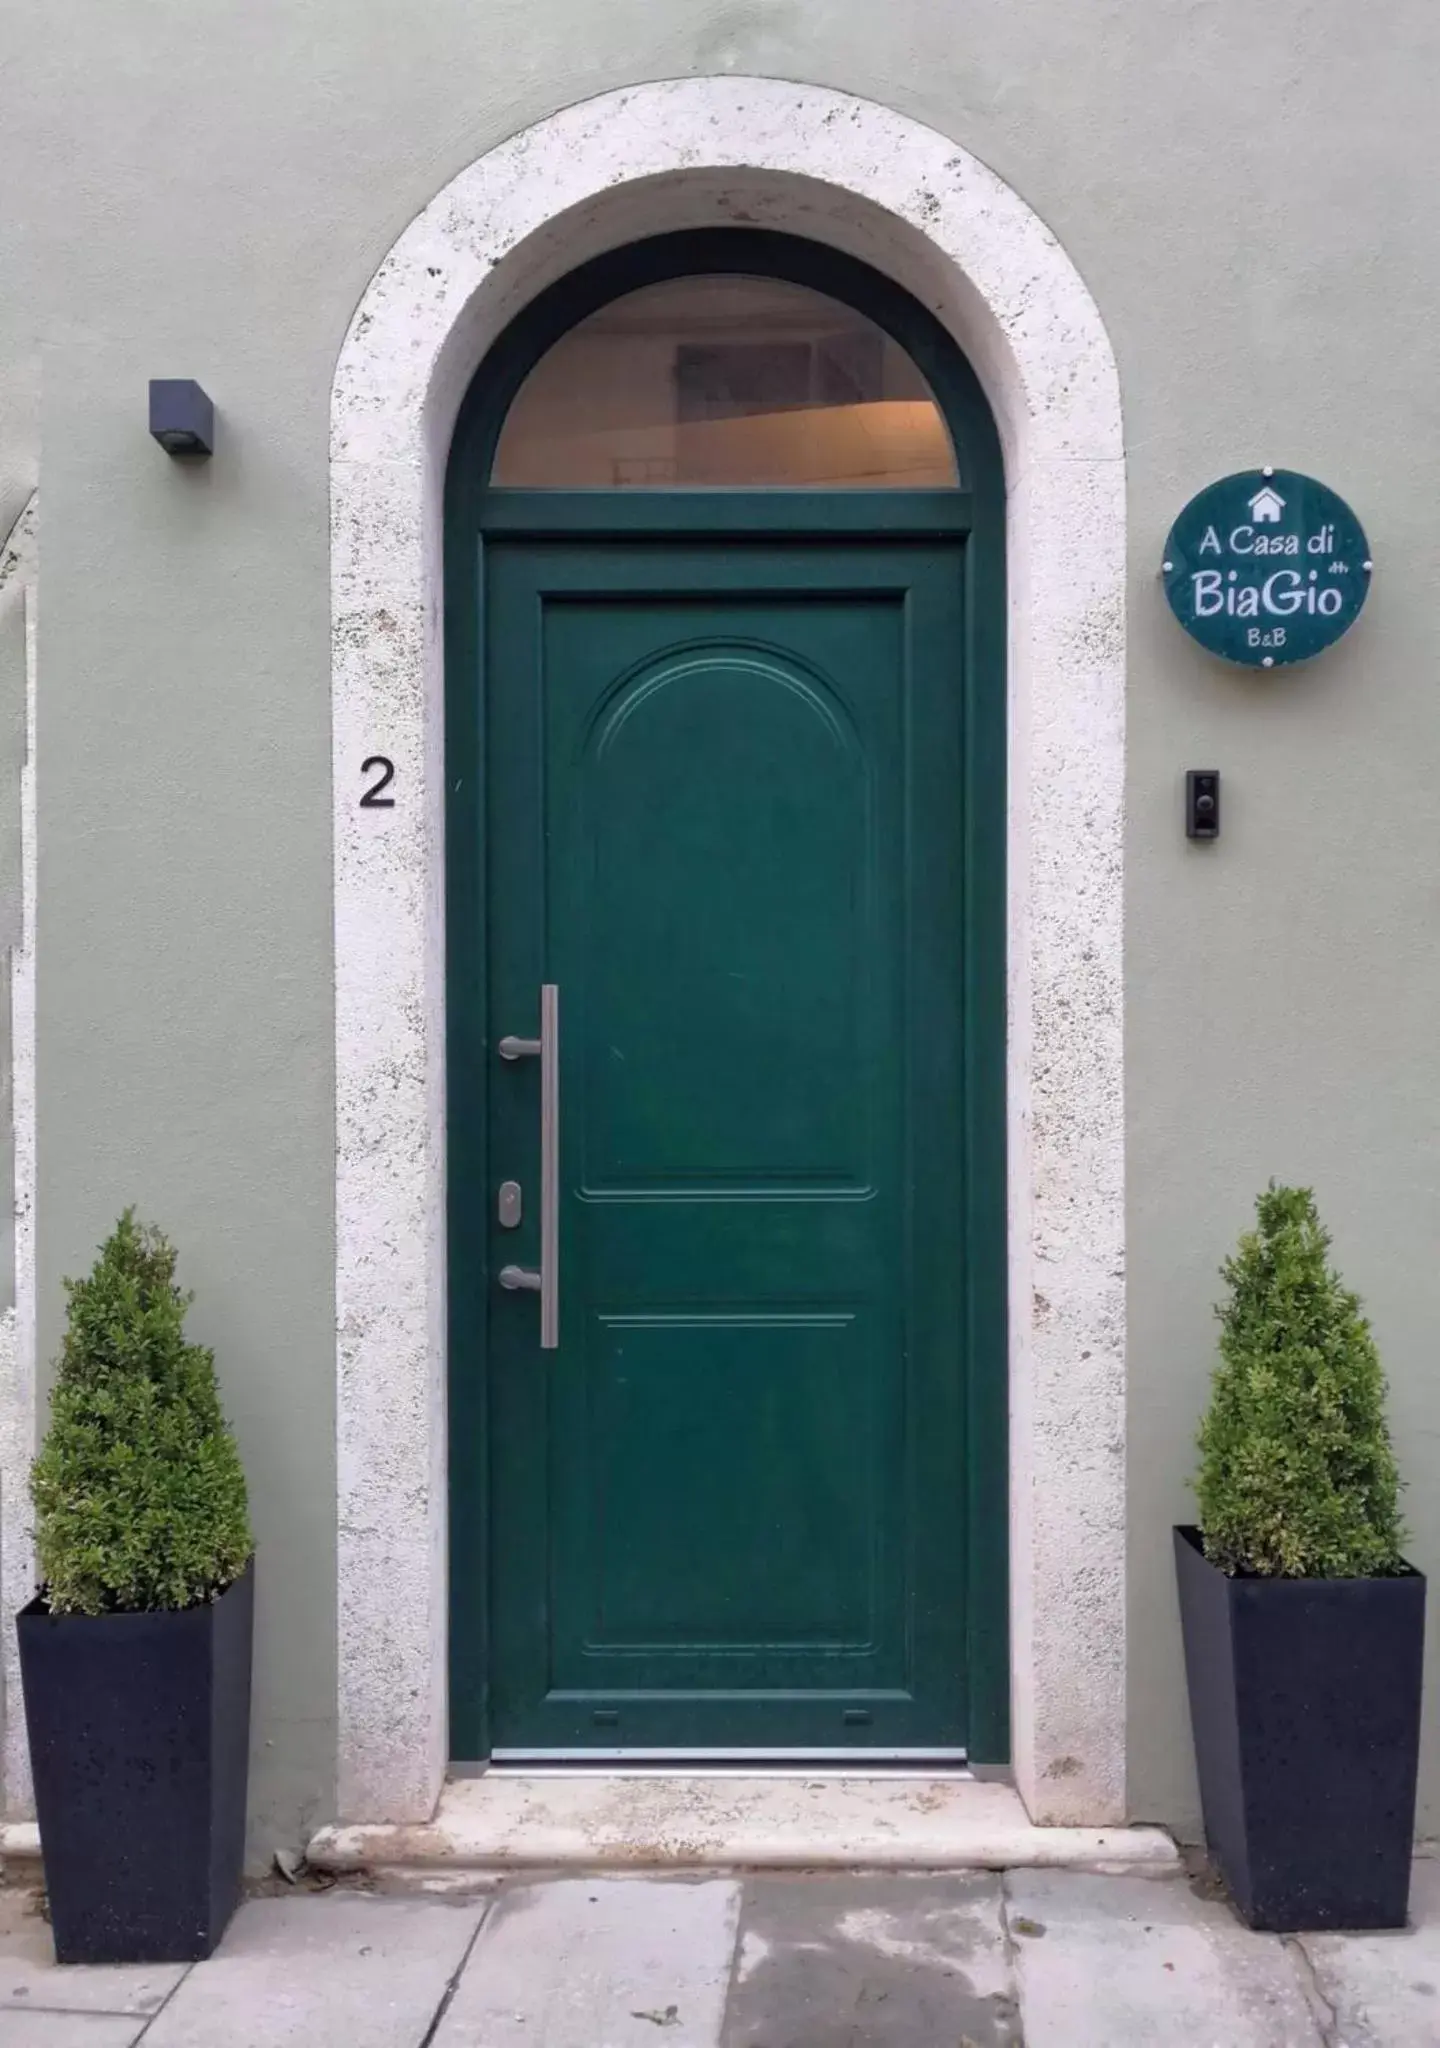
<point x="1297" y="1475"/>
<point x="139" y="1491"/>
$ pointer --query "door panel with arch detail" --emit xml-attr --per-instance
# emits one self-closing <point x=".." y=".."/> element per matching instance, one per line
<point x="723" y="788"/>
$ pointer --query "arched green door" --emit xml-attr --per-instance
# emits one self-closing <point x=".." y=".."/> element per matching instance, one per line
<point x="725" y="778"/>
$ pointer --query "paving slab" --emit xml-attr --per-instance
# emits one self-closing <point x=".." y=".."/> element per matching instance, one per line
<point x="31" y="1978"/>
<point x="1384" y="1989"/>
<point x="864" y="1962"/>
<point x="68" y="2030"/>
<point x="346" y="1969"/>
<point x="598" y="1963"/>
<point x="1104" y="1962"/>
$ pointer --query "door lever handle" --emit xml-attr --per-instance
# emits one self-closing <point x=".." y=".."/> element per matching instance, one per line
<point x="545" y="1282"/>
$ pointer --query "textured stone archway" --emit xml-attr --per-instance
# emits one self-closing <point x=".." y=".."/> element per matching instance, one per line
<point x="686" y="153"/>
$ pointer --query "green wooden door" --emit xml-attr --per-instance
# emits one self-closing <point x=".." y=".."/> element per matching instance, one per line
<point x="724" y="812"/>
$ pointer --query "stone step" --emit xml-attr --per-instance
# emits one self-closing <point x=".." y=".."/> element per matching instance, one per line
<point x="722" y="1821"/>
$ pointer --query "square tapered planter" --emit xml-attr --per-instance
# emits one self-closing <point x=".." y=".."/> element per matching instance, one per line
<point x="139" y="1744"/>
<point x="1305" y="1704"/>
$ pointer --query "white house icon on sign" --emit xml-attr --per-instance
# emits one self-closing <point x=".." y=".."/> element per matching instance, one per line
<point x="1266" y="507"/>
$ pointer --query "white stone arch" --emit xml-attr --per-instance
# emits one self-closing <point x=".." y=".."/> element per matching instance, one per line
<point x="687" y="153"/>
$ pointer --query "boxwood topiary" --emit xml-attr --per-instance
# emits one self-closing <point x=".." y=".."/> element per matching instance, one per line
<point x="139" y="1490"/>
<point x="1297" y="1475"/>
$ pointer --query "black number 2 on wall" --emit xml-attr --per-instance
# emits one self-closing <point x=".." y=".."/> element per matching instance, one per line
<point x="371" y="799"/>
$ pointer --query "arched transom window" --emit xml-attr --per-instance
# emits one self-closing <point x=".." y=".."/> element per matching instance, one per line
<point x="715" y="382"/>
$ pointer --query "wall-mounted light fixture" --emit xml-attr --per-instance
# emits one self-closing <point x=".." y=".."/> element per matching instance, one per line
<point x="182" y="418"/>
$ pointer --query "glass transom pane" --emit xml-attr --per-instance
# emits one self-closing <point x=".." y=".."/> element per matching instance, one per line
<point x="716" y="382"/>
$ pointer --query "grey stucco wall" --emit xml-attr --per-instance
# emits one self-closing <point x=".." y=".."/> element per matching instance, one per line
<point x="206" y="192"/>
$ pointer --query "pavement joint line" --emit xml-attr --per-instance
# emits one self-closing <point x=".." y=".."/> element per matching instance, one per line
<point x="448" y="1995"/>
<point x="1324" y="2014"/>
<point x="139" y="2038"/>
<point x="96" y="2012"/>
<point x="742" y="1887"/>
<point x="1012" y="1958"/>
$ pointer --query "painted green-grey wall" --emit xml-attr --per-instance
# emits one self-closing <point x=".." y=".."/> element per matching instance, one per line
<point x="205" y="192"/>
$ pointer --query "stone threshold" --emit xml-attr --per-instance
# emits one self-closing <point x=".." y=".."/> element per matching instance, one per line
<point x="557" y="1820"/>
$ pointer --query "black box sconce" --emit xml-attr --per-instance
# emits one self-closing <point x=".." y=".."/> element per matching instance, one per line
<point x="182" y="418"/>
<point x="1202" y="803"/>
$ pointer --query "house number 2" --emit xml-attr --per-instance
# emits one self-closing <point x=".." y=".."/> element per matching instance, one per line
<point x="383" y="769"/>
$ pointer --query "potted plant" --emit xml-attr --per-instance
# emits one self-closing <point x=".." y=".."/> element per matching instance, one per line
<point x="1303" y="1624"/>
<point x="135" y="1656"/>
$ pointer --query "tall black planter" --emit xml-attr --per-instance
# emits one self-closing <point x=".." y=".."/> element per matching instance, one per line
<point x="139" y="1743"/>
<point x="1305" y="1704"/>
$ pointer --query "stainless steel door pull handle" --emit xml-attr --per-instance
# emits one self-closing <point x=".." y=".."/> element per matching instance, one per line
<point x="545" y="1282"/>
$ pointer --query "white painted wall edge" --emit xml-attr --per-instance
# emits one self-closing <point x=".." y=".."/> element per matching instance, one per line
<point x="19" y="584"/>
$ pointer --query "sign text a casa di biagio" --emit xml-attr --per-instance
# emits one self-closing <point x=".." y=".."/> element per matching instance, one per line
<point x="1267" y="567"/>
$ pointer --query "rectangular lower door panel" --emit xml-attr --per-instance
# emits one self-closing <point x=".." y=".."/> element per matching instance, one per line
<point x="732" y="1474"/>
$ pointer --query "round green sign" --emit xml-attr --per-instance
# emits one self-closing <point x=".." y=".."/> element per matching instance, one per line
<point x="1266" y="567"/>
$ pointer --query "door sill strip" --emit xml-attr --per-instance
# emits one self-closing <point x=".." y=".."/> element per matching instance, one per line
<point x="675" y="1821"/>
<point x="859" y="1763"/>
<point x="542" y="1767"/>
